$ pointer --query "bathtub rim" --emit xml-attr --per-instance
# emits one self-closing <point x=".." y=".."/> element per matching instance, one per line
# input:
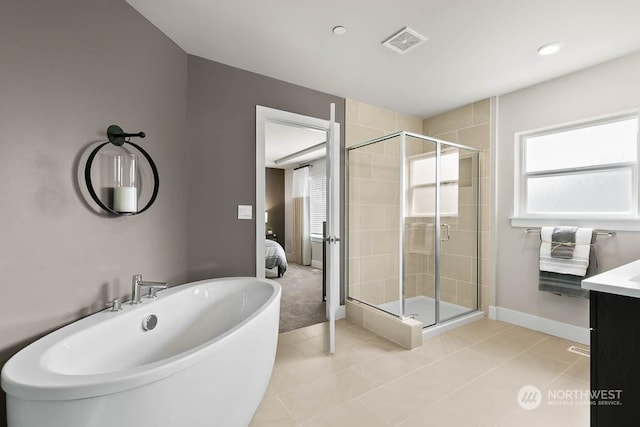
<point x="25" y="375"/>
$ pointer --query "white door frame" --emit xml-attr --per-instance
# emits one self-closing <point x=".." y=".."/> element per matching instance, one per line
<point x="264" y="115"/>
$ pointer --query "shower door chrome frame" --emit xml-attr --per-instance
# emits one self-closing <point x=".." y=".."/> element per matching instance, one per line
<point x="402" y="225"/>
<point x="438" y="235"/>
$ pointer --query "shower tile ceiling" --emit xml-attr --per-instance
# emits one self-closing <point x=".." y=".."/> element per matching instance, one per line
<point x="475" y="49"/>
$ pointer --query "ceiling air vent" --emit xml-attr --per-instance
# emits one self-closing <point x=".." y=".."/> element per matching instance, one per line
<point x="404" y="40"/>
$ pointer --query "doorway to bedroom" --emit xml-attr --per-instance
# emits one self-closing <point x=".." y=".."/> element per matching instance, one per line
<point x="295" y="217"/>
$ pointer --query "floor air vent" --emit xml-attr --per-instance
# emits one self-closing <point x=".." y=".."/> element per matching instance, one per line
<point x="582" y="350"/>
<point x="404" y="40"/>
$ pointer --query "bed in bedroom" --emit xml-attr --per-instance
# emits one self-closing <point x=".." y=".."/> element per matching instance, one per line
<point x="274" y="256"/>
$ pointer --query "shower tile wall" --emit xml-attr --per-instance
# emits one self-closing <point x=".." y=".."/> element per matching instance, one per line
<point x="374" y="197"/>
<point x="468" y="125"/>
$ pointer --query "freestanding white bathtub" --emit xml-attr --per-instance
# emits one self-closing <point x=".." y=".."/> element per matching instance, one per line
<point x="207" y="362"/>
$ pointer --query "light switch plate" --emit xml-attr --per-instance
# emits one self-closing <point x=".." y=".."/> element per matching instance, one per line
<point x="245" y="212"/>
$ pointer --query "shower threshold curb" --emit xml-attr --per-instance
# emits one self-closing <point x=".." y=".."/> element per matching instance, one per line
<point x="432" y="331"/>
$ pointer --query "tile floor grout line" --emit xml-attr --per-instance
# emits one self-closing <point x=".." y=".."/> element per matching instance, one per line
<point x="571" y="366"/>
<point x="508" y="360"/>
<point x="338" y="370"/>
<point x="383" y="420"/>
<point x="355" y="399"/>
<point x="379" y="386"/>
<point x="548" y="383"/>
<point x="466" y="346"/>
<point x="288" y="411"/>
<point x="505" y="418"/>
<point x="564" y="373"/>
<point x="453" y="331"/>
<point x="454" y="409"/>
<point x="460" y="387"/>
<point x="372" y="411"/>
<point x="486" y="372"/>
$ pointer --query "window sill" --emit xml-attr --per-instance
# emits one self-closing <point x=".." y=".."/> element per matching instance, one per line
<point x="613" y="224"/>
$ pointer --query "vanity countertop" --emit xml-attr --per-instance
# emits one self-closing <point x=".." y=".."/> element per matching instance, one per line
<point x="624" y="280"/>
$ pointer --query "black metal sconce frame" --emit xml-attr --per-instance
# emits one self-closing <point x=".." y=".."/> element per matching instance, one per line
<point x="118" y="137"/>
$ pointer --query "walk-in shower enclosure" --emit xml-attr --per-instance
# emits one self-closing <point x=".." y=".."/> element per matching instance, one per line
<point x="413" y="227"/>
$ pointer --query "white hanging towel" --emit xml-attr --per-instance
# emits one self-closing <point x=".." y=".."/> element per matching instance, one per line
<point x="577" y="264"/>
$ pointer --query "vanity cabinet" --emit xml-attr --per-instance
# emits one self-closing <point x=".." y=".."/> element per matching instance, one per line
<point x="615" y="359"/>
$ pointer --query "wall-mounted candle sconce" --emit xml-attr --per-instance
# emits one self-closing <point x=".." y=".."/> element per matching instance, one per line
<point x="122" y="180"/>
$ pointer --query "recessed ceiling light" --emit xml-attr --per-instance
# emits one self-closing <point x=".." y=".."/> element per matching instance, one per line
<point x="549" y="49"/>
<point x="339" y="30"/>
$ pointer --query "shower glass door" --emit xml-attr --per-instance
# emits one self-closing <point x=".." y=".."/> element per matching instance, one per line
<point x="441" y="230"/>
<point x="459" y="237"/>
<point x="419" y="218"/>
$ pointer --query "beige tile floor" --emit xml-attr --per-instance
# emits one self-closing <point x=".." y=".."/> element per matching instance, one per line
<point x="466" y="377"/>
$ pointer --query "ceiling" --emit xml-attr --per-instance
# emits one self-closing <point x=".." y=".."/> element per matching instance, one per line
<point x="283" y="141"/>
<point x="476" y="48"/>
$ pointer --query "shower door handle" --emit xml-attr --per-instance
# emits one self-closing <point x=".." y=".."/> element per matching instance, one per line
<point x="447" y="227"/>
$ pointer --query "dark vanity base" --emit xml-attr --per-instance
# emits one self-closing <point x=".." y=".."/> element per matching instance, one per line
<point x="615" y="360"/>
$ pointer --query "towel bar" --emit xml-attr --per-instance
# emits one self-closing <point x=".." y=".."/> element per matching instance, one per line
<point x="598" y="232"/>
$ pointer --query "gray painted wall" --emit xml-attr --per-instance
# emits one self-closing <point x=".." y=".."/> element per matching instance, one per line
<point x="274" y="201"/>
<point x="69" y="69"/>
<point x="221" y="120"/>
<point x="608" y="88"/>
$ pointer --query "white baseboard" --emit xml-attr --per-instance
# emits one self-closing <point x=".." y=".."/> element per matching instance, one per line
<point x="541" y="324"/>
<point x="316" y="264"/>
<point x="341" y="313"/>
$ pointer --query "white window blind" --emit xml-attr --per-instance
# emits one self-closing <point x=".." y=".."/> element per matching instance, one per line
<point x="318" y="195"/>
<point x="588" y="170"/>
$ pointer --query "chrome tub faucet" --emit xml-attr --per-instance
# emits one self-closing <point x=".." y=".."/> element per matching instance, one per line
<point x="137" y="283"/>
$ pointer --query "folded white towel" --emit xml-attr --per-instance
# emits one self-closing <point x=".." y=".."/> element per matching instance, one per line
<point x="578" y="264"/>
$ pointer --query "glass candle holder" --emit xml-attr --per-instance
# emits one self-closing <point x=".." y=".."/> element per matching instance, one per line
<point x="125" y="193"/>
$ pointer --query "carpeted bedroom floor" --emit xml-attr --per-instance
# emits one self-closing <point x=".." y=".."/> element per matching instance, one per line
<point x="301" y="302"/>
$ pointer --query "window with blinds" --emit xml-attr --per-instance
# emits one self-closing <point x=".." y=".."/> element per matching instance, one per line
<point x="318" y="202"/>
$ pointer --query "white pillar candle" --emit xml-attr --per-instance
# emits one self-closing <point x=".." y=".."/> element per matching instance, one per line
<point x="125" y="199"/>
